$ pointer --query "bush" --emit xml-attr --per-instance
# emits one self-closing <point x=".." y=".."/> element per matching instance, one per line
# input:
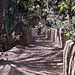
<point x="71" y="33"/>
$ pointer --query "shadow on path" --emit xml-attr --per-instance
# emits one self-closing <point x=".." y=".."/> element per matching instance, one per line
<point x="40" y="58"/>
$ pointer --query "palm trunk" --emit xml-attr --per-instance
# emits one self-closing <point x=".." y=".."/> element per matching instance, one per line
<point x="1" y="19"/>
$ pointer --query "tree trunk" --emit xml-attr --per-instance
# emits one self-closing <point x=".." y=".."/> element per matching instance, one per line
<point x="70" y="12"/>
<point x="1" y="19"/>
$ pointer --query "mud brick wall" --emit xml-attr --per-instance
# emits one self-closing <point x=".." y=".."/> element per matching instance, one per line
<point x="25" y="39"/>
<point x="33" y="32"/>
<point x="69" y="58"/>
<point x="28" y="37"/>
<point x="57" y="35"/>
<point x="50" y="34"/>
<point x="47" y="32"/>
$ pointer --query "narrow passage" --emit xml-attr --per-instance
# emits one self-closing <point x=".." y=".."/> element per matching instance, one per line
<point x="41" y="57"/>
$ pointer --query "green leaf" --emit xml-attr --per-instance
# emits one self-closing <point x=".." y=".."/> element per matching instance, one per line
<point x="67" y="34"/>
<point x="73" y="34"/>
<point x="61" y="8"/>
<point x="18" y="1"/>
<point x="73" y="8"/>
<point x="63" y="3"/>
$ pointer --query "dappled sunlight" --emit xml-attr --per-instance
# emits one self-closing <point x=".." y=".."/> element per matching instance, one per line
<point x="35" y="59"/>
<point x="34" y="37"/>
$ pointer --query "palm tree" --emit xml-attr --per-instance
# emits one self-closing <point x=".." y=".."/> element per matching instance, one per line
<point x="1" y="19"/>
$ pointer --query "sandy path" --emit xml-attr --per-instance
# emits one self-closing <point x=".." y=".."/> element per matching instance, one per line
<point x="40" y="58"/>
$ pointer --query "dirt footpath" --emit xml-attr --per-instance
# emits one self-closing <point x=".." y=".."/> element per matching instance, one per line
<point x="42" y="57"/>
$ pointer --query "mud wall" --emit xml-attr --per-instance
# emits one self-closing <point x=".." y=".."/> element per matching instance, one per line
<point x="25" y="39"/>
<point x="69" y="58"/>
<point x="33" y="32"/>
<point x="57" y="35"/>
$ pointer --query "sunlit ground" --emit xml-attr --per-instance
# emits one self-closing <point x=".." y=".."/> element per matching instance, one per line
<point x="40" y="58"/>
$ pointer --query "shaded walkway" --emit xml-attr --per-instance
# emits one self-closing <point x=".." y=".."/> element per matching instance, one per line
<point x="42" y="57"/>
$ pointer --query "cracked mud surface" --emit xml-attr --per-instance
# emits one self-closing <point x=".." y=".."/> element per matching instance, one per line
<point x="41" y="57"/>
